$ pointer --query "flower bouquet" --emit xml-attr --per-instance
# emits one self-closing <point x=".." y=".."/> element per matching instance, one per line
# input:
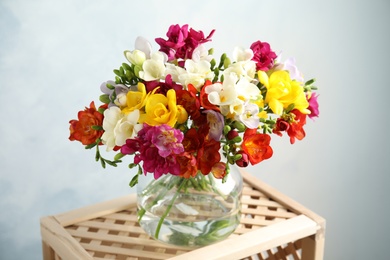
<point x="186" y="119"/>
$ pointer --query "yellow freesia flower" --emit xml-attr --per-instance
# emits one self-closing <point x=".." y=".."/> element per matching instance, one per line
<point x="160" y="109"/>
<point x="282" y="92"/>
<point x="135" y="99"/>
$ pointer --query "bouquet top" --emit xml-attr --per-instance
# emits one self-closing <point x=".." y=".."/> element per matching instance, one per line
<point x="180" y="111"/>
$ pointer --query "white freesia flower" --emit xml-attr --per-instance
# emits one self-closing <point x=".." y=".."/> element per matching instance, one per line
<point x="196" y="73"/>
<point x="223" y="94"/>
<point x="154" y="68"/>
<point x="201" y="53"/>
<point x="142" y="51"/>
<point x="241" y="54"/>
<point x="243" y="69"/>
<point x="143" y="45"/>
<point x="174" y="71"/>
<point x="135" y="57"/>
<point x="119" y="127"/>
<point x="242" y="66"/>
<point x="249" y="117"/>
<point x="247" y="90"/>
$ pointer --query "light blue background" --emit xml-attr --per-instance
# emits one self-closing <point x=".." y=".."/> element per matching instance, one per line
<point x="55" y="54"/>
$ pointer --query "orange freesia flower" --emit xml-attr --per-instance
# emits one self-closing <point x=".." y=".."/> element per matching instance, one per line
<point x="257" y="147"/>
<point x="81" y="129"/>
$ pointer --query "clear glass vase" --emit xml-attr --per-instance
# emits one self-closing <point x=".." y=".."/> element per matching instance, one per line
<point x="189" y="212"/>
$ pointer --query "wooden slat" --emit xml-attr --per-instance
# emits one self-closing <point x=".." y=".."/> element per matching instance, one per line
<point x="61" y="241"/>
<point x="97" y="210"/>
<point x="255" y="241"/>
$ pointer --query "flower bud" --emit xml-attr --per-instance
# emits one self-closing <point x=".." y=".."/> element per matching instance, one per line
<point x="182" y="114"/>
<point x="226" y="129"/>
<point x="232" y="134"/>
<point x="244" y="160"/>
<point x="135" y="57"/>
<point x="240" y="126"/>
<point x="121" y="99"/>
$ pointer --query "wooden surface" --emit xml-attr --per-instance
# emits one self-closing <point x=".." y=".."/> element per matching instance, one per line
<point x="273" y="226"/>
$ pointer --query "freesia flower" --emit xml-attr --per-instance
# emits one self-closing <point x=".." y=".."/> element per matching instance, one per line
<point x="216" y="124"/>
<point x="182" y="42"/>
<point x="160" y="109"/>
<point x="250" y="116"/>
<point x="263" y="55"/>
<point x="291" y="123"/>
<point x="313" y="105"/>
<point x="196" y="73"/>
<point x="153" y="68"/>
<point x="119" y="127"/>
<point x="256" y="146"/>
<point x="120" y="91"/>
<point x="82" y="129"/>
<point x="135" y="99"/>
<point x="201" y="53"/>
<point x="283" y="92"/>
<point x="166" y="139"/>
<point x="224" y="93"/>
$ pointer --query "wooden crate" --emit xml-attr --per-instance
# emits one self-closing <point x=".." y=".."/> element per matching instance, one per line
<point x="273" y="226"/>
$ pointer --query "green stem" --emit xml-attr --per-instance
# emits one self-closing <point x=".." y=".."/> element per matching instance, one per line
<point x="152" y="188"/>
<point x="183" y="184"/>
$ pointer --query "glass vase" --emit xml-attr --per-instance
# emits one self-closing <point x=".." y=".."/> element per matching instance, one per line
<point x="190" y="212"/>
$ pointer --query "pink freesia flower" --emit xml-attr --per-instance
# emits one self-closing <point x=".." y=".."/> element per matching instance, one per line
<point x="181" y="42"/>
<point x="313" y="106"/>
<point x="166" y="139"/>
<point x="156" y="147"/>
<point x="263" y="55"/>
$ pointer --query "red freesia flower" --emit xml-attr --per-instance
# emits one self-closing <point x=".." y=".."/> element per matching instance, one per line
<point x="187" y="163"/>
<point x="257" y="147"/>
<point x="81" y="129"/>
<point x="189" y="101"/>
<point x="294" y="127"/>
<point x="263" y="55"/>
<point x="208" y="155"/>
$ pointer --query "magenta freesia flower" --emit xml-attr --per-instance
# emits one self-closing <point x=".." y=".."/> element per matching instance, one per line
<point x="182" y="42"/>
<point x="313" y="106"/>
<point x="166" y="139"/>
<point x="156" y="147"/>
<point x="263" y="55"/>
